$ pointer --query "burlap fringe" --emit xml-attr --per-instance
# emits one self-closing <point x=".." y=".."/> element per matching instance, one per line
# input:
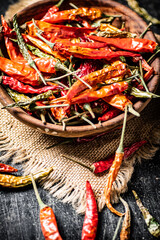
<point x="64" y="190"/>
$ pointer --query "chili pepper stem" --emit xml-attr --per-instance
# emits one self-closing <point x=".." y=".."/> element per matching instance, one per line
<point x="152" y="57"/>
<point x="63" y="76"/>
<point x="143" y="33"/>
<point x="87" y="107"/>
<point x="73" y="5"/>
<point x="41" y="204"/>
<point x="120" y="147"/>
<point x="51" y="106"/>
<point x="117" y="228"/>
<point x="59" y="3"/>
<point x="141" y="76"/>
<point x="75" y="161"/>
<point x="131" y="110"/>
<point x="43" y="119"/>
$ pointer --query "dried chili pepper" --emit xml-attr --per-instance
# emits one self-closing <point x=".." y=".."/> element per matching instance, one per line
<point x="105" y="164"/>
<point x="7" y="168"/>
<point x="91" y="215"/>
<point x="71" y="15"/>
<point x="109" y="114"/>
<point x="152" y="224"/>
<point x="47" y="218"/>
<point x="117" y="69"/>
<point x="130" y="44"/>
<point x="125" y="231"/>
<point x="142" y="94"/>
<point x="13" y="50"/>
<point x="52" y="10"/>
<point x="118" y="101"/>
<point x="22" y="181"/>
<point x="52" y="31"/>
<point x="91" y="95"/>
<point x="14" y="84"/>
<point x="24" y="50"/>
<point x="88" y="53"/>
<point x="19" y="71"/>
<point x="113" y="172"/>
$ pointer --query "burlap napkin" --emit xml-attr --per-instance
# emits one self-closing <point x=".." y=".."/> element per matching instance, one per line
<point x="67" y="182"/>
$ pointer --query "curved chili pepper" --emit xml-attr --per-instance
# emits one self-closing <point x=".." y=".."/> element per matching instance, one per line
<point x="130" y="44"/>
<point x="98" y="76"/>
<point x="71" y="15"/>
<point x="47" y="218"/>
<point x="113" y="172"/>
<point x="109" y="114"/>
<point x="125" y="231"/>
<point x="13" y="50"/>
<point x="7" y="168"/>
<point x="91" y="215"/>
<point x="90" y="95"/>
<point x="118" y="101"/>
<point x="57" y="31"/>
<point x="52" y="10"/>
<point x="60" y="113"/>
<point x="14" y="84"/>
<point x="19" y="71"/>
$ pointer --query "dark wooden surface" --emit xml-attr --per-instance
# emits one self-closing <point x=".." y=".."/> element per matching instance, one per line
<point x="19" y="211"/>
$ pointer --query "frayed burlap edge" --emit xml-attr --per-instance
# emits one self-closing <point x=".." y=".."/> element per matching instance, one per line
<point x="59" y="187"/>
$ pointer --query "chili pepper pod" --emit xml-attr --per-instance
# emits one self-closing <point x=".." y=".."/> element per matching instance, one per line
<point x="109" y="114"/>
<point x="71" y="15"/>
<point x="91" y="215"/>
<point x="52" y="11"/>
<point x="129" y="44"/>
<point x="113" y="172"/>
<point x="47" y="218"/>
<point x="97" y="77"/>
<point x="16" y="85"/>
<point x="11" y="181"/>
<point x="7" y="168"/>
<point x="125" y="231"/>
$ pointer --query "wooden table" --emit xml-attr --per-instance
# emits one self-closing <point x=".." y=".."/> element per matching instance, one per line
<point x="19" y="211"/>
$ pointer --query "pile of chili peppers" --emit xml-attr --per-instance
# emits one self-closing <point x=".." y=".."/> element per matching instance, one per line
<point x="90" y="68"/>
<point x="74" y="66"/>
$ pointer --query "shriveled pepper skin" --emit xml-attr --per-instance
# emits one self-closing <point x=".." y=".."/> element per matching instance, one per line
<point x="49" y="224"/>
<point x="97" y="77"/>
<point x="16" y="85"/>
<point x="22" y="72"/>
<point x="58" y="17"/>
<point x="113" y="172"/>
<point x="109" y="114"/>
<point x="90" y="95"/>
<point x="129" y="44"/>
<point x="118" y="101"/>
<point x="91" y="215"/>
<point x="22" y="181"/>
<point x="7" y="168"/>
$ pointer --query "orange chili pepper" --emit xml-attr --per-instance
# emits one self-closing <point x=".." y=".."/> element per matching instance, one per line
<point x="58" y="17"/>
<point x="118" y="101"/>
<point x="113" y="172"/>
<point x="116" y="69"/>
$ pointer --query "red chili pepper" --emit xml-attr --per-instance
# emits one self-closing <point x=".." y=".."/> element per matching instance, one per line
<point x="71" y="15"/>
<point x="52" y="31"/>
<point x="60" y="113"/>
<point x="130" y="44"/>
<point x="47" y="218"/>
<point x="7" y="168"/>
<point x="103" y="165"/>
<point x="91" y="215"/>
<point x="109" y="114"/>
<point x="20" y="87"/>
<point x="118" y="68"/>
<point x="51" y="11"/>
<point x="92" y="45"/>
<point x="88" y="53"/>
<point x="19" y="71"/>
<point x="13" y="50"/>
<point x="91" y="95"/>
<point x="7" y="31"/>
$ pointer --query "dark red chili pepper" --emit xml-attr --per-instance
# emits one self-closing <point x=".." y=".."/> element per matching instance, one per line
<point x="52" y="11"/>
<point x="47" y="218"/>
<point x="21" y="88"/>
<point x="71" y="15"/>
<point x="109" y="114"/>
<point x="7" y="168"/>
<point x="19" y="71"/>
<point x="91" y="95"/>
<point x="91" y="215"/>
<point x="130" y="44"/>
<point x="51" y="31"/>
<point x="103" y="165"/>
<point x="118" y="68"/>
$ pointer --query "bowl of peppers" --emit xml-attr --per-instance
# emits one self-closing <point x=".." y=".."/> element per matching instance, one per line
<point x="70" y="69"/>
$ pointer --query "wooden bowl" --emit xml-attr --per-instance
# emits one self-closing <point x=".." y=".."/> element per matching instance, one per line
<point x="134" y="24"/>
